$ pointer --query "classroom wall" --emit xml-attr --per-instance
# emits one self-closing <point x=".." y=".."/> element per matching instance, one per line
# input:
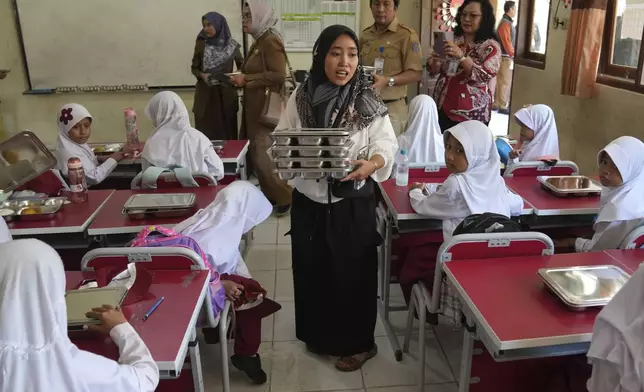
<point x="37" y="113"/>
<point x="585" y="125"/>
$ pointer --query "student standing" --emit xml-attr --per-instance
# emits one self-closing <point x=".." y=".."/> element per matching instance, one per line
<point x="397" y="48"/>
<point x="506" y="34"/>
<point x="216" y="104"/>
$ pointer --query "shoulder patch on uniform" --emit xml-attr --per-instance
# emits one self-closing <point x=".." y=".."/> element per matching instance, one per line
<point x="415" y="46"/>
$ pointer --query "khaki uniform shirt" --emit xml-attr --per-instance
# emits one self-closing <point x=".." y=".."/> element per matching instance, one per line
<point x="401" y="53"/>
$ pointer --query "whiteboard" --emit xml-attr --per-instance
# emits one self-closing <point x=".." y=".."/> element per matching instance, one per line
<point x="115" y="42"/>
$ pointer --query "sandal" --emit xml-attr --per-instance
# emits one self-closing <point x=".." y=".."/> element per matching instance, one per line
<point x="355" y="362"/>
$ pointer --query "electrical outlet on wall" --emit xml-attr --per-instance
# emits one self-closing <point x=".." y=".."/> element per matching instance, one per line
<point x="564" y="23"/>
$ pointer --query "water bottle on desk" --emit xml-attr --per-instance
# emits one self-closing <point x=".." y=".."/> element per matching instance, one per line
<point x="77" y="182"/>
<point x="402" y="168"/>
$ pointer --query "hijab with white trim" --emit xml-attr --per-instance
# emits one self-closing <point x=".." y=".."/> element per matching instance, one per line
<point x="5" y="234"/>
<point x="220" y="49"/>
<point x="264" y="18"/>
<point x="174" y="142"/>
<point x="423" y="138"/>
<point x="625" y="202"/>
<point x="481" y="185"/>
<point x="68" y="116"/>
<point x="541" y="120"/>
<point x="219" y="227"/>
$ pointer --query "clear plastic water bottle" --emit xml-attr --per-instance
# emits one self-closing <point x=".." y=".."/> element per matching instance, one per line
<point x="402" y="168"/>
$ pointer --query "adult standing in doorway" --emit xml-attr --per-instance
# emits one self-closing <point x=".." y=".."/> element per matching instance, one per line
<point x="216" y="104"/>
<point x="466" y="95"/>
<point x="264" y="70"/>
<point x="394" y="48"/>
<point x="506" y="34"/>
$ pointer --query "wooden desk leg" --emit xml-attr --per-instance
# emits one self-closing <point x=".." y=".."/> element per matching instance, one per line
<point x="195" y="362"/>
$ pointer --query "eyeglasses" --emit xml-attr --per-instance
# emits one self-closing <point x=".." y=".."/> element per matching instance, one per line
<point x="471" y="16"/>
<point x="246" y="15"/>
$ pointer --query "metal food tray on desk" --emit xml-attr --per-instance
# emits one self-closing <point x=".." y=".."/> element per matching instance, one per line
<point x="166" y="205"/>
<point x="106" y="148"/>
<point x="564" y="186"/>
<point x="584" y="287"/>
<point x="310" y="137"/>
<point x="32" y="210"/>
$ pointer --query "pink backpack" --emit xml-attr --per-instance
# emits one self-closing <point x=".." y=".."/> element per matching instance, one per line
<point x="159" y="236"/>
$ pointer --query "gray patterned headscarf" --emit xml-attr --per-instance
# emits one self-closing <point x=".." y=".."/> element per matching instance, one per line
<point x="220" y="49"/>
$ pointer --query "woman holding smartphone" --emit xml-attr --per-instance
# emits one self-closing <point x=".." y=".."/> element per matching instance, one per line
<point x="466" y="65"/>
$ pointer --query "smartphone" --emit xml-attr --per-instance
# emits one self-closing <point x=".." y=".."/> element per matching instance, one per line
<point x="439" y="41"/>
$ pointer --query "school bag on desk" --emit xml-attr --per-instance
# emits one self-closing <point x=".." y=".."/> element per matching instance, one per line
<point x="487" y="223"/>
<point x="159" y="236"/>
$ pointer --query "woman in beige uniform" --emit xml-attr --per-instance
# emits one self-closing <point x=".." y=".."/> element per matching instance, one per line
<point x="264" y="68"/>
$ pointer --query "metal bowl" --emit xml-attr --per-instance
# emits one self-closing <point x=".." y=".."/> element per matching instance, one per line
<point x="338" y="153"/>
<point x="286" y="175"/>
<point x="313" y="175"/>
<point x="311" y="163"/>
<point x="337" y="140"/>
<point x="284" y="164"/>
<point x="310" y="140"/>
<point x="283" y="153"/>
<point x="310" y="153"/>
<point x="340" y="163"/>
<point x="282" y="140"/>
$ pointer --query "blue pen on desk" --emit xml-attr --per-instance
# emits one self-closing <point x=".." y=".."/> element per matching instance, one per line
<point x="153" y="308"/>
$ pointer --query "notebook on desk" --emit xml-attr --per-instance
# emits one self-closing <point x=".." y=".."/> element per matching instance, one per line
<point x="80" y="302"/>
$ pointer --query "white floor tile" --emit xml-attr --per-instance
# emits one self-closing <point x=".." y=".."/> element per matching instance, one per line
<point x="283" y="228"/>
<point x="451" y="341"/>
<point x="265" y="234"/>
<point x="296" y="370"/>
<point x="261" y="258"/>
<point x="285" y="323"/>
<point x="284" y="286"/>
<point x="268" y="328"/>
<point x="284" y="260"/>
<point x="267" y="280"/>
<point x="384" y="371"/>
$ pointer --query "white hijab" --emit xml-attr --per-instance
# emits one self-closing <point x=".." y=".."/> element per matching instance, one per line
<point x="35" y="351"/>
<point x="423" y="138"/>
<point x="540" y="119"/>
<point x="264" y="18"/>
<point x="618" y="339"/>
<point x="5" y="234"/>
<point x="626" y="202"/>
<point x="174" y="142"/>
<point x="481" y="184"/>
<point x="219" y="227"/>
<point x="68" y="116"/>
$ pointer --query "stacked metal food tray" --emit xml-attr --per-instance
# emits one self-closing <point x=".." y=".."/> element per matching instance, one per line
<point x="23" y="157"/>
<point x="564" y="186"/>
<point x="311" y="153"/>
<point x="165" y="205"/>
<point x="584" y="287"/>
<point x="33" y="209"/>
<point x="106" y="149"/>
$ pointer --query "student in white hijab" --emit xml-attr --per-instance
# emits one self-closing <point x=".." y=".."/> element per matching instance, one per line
<point x="475" y="185"/>
<point x="174" y="143"/>
<point x="74" y="130"/>
<point x="621" y="207"/>
<point x="5" y="234"/>
<point x="539" y="138"/>
<point x="423" y="138"/>
<point x="35" y="351"/>
<point x="618" y="338"/>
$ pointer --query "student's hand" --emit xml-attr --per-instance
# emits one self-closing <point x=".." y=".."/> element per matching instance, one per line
<point x="380" y="81"/>
<point x="109" y="317"/>
<point x="117" y="156"/>
<point x="233" y="290"/>
<point x="451" y="49"/>
<point x="417" y="185"/>
<point x="204" y="76"/>
<point x="362" y="172"/>
<point x="238" y="80"/>
<point x="515" y="154"/>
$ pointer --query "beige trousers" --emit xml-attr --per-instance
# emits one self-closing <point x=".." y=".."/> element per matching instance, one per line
<point x="503" y="84"/>
<point x="398" y="113"/>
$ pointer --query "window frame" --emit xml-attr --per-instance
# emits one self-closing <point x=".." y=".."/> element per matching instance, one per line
<point x="615" y="75"/>
<point x="524" y="56"/>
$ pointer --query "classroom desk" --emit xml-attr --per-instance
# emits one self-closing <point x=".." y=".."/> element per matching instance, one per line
<point x="629" y="258"/>
<point x="72" y="218"/>
<point x="170" y="333"/>
<point x="547" y="204"/>
<point x="514" y="314"/>
<point x="110" y="219"/>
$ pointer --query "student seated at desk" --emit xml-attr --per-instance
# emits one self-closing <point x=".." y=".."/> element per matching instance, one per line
<point x="35" y="351"/>
<point x="621" y="173"/>
<point x="618" y="338"/>
<point x="474" y="185"/>
<point x="174" y="143"/>
<point x="5" y="234"/>
<point x="423" y="138"/>
<point x="539" y="138"/>
<point x="218" y="229"/>
<point x="74" y="130"/>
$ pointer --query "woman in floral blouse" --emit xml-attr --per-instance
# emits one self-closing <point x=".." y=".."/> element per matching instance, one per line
<point x="466" y="95"/>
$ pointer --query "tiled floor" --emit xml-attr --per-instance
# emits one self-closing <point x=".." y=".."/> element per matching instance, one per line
<point x="292" y="369"/>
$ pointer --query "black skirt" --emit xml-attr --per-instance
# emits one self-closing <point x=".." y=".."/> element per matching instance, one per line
<point x="335" y="273"/>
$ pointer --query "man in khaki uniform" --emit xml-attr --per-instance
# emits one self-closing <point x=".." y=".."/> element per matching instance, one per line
<point x="399" y="48"/>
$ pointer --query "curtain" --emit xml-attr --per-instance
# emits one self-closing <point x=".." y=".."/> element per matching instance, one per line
<point x="583" y="46"/>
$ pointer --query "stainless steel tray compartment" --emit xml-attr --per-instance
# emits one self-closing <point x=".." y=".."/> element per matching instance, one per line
<point x="106" y="148"/>
<point x="46" y="208"/>
<point x="23" y="157"/>
<point x="277" y="151"/>
<point x="564" y="186"/>
<point x="310" y="137"/>
<point x="326" y="163"/>
<point x="312" y="174"/>
<point x="583" y="287"/>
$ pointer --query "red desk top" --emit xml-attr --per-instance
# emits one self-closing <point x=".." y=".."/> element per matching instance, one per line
<point x="397" y="199"/>
<point x="72" y="218"/>
<point x="631" y="258"/>
<point x="167" y="331"/>
<point x="110" y="219"/>
<point x="512" y="304"/>
<point x="545" y="203"/>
